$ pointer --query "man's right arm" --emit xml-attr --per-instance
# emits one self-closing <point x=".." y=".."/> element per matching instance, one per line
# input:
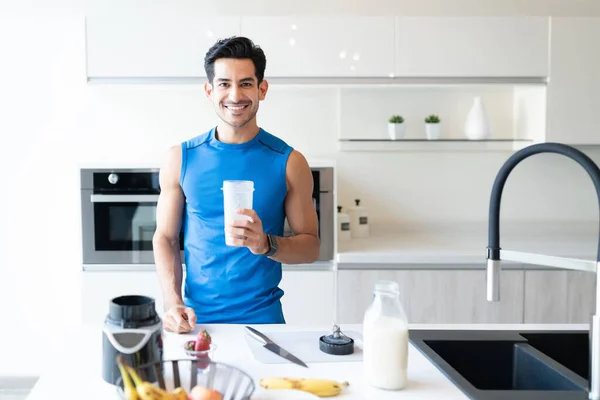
<point x="169" y="211"/>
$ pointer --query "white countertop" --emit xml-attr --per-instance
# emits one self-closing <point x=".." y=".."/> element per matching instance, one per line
<point x="156" y="164"/>
<point x="466" y="243"/>
<point x="75" y="370"/>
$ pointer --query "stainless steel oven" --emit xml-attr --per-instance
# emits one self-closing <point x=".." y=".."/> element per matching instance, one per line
<point x="119" y="215"/>
<point x="323" y="201"/>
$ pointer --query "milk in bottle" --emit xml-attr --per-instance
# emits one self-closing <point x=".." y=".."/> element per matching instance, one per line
<point x="385" y="339"/>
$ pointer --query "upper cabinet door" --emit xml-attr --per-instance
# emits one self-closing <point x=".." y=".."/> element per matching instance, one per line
<point x="157" y="46"/>
<point x="573" y="97"/>
<point x="472" y="46"/>
<point x="324" y="46"/>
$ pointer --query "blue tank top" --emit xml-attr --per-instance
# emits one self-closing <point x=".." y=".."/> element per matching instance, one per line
<point x="226" y="284"/>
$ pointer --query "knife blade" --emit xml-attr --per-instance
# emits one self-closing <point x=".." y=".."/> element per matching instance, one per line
<point x="273" y="347"/>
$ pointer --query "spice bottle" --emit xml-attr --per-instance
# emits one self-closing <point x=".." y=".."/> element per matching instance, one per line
<point x="343" y="225"/>
<point x="359" y="221"/>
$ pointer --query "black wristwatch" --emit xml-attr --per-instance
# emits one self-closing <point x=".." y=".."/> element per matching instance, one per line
<point x="272" y="242"/>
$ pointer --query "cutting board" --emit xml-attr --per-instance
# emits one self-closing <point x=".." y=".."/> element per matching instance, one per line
<point x="304" y="345"/>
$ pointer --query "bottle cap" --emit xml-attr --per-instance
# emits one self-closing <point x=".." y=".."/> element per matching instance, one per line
<point x="336" y="343"/>
<point x="238" y="186"/>
<point x="357" y="205"/>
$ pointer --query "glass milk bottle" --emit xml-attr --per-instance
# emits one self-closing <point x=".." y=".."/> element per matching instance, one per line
<point x="385" y="339"/>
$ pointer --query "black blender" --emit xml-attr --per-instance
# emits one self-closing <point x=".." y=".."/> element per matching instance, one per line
<point x="133" y="330"/>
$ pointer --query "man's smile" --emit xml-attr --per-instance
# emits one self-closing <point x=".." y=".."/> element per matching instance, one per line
<point x="233" y="107"/>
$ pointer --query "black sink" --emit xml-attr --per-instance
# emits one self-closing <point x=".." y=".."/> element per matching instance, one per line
<point x="570" y="349"/>
<point x="500" y="365"/>
<point x="497" y="365"/>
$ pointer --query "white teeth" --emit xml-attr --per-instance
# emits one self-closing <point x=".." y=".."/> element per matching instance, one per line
<point x="235" y="108"/>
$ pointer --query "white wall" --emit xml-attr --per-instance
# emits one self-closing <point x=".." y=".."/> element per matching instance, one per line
<point x="305" y="7"/>
<point x="42" y="81"/>
<point x="51" y="121"/>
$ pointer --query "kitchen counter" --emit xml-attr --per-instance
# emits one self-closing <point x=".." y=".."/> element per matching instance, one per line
<point x="464" y="245"/>
<point x="316" y="266"/>
<point x="74" y="371"/>
<point x="156" y="163"/>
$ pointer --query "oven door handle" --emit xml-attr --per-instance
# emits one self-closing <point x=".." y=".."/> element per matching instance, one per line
<point x="124" y="198"/>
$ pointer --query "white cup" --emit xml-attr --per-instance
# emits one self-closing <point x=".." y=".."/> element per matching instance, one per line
<point x="236" y="194"/>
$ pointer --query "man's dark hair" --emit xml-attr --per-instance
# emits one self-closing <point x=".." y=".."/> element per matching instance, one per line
<point x="235" y="47"/>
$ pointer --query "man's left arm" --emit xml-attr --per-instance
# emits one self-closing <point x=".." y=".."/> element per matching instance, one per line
<point x="303" y="247"/>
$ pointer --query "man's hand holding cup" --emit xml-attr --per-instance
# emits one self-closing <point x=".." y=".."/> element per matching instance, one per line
<point x="248" y="232"/>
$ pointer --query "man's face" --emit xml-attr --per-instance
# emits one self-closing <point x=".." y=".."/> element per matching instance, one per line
<point x="235" y="91"/>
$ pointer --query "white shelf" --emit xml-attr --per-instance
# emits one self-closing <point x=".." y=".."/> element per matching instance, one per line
<point x="433" y="145"/>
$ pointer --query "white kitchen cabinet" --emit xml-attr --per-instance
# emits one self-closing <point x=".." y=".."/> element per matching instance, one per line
<point x="545" y="296"/>
<point x="308" y="297"/>
<point x="472" y="46"/>
<point x="326" y="46"/>
<point x="434" y="296"/>
<point x="573" y="96"/>
<point x="153" y="46"/>
<point x="581" y="296"/>
<point x="559" y="296"/>
<point x="98" y="288"/>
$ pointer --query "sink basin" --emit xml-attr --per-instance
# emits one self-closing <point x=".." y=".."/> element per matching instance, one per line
<point x="496" y="365"/>
<point x="500" y="365"/>
<point x="570" y="349"/>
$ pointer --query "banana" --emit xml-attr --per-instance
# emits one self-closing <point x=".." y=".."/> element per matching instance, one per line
<point x="180" y="394"/>
<point x="130" y="392"/>
<point x="134" y="375"/>
<point x="141" y="390"/>
<point x="148" y="391"/>
<point x="279" y="383"/>
<point x="318" y="387"/>
<point x="322" y="387"/>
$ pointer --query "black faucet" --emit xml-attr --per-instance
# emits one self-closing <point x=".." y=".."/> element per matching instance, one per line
<point x="495" y="254"/>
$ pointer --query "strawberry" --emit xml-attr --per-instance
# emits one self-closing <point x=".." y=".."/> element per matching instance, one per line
<point x="190" y="345"/>
<point x="203" y="341"/>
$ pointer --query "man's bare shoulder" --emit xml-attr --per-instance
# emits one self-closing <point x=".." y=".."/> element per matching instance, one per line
<point x="297" y="169"/>
<point x="173" y="154"/>
<point x="296" y="161"/>
<point x="171" y="167"/>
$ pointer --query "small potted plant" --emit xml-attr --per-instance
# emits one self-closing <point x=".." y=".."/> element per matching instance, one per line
<point x="433" y="127"/>
<point x="396" y="127"/>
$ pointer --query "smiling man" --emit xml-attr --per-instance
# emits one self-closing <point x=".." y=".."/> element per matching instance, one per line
<point x="239" y="283"/>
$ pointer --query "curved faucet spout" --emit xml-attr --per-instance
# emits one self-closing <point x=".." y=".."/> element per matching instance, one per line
<point x="559" y="148"/>
<point x="494" y="255"/>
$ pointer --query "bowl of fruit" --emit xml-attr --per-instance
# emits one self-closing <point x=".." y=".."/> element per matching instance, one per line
<point x="202" y="348"/>
<point x="184" y="380"/>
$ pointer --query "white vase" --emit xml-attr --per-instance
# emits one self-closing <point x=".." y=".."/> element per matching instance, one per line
<point x="477" y="126"/>
<point x="396" y="131"/>
<point x="433" y="131"/>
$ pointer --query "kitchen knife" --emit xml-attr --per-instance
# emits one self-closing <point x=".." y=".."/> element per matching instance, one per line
<point x="269" y="345"/>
